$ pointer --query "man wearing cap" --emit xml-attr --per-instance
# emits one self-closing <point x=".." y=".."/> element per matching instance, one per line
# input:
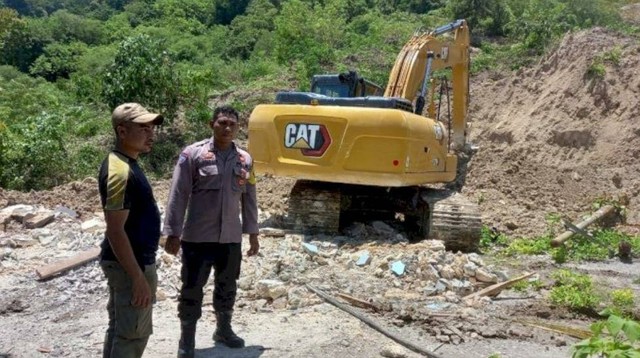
<point x="133" y="231"/>
<point x="213" y="183"/>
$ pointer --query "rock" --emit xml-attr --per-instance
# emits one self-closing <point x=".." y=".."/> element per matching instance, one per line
<point x="160" y="295"/>
<point x="435" y="245"/>
<point x="483" y="275"/>
<point x="443" y="338"/>
<point x="271" y="289"/>
<point x="18" y="212"/>
<point x="310" y="248"/>
<point x="470" y="269"/>
<point x="429" y="273"/>
<point x="575" y="176"/>
<point x="455" y="340"/>
<point x="63" y="210"/>
<point x="363" y="259"/>
<point x="447" y="272"/>
<point x="92" y="226"/>
<point x="475" y="258"/>
<point x="511" y="225"/>
<point x="273" y="232"/>
<point x="21" y="242"/>
<point x="280" y="303"/>
<point x="438" y="306"/>
<point x="245" y="283"/>
<point x="398" y="268"/>
<point x="38" y="220"/>
<point x="393" y="351"/>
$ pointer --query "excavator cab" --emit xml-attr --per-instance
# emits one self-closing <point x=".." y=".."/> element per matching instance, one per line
<point x="348" y="84"/>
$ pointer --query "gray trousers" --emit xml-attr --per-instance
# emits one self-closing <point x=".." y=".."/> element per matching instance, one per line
<point x="129" y="327"/>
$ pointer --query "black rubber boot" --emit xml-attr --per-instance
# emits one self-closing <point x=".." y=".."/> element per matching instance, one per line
<point x="224" y="333"/>
<point x="187" y="345"/>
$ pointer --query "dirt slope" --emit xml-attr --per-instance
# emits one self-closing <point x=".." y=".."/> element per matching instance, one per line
<point x="552" y="138"/>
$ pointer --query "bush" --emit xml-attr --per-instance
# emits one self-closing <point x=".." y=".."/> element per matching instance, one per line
<point x="143" y="72"/>
<point x="573" y="290"/>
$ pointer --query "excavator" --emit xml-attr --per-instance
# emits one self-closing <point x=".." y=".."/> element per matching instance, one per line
<point x="360" y="154"/>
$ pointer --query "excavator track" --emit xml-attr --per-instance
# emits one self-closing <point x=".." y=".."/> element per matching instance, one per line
<point x="453" y="219"/>
<point x="314" y="207"/>
<point x="440" y="214"/>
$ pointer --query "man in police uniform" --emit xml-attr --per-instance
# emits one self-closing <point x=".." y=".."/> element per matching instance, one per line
<point x="213" y="183"/>
<point x="133" y="231"/>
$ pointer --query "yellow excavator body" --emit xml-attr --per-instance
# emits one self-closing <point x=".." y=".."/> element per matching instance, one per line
<point x="367" y="146"/>
<point x="355" y="154"/>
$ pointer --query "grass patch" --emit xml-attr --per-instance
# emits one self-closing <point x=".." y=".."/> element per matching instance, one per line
<point x="574" y="291"/>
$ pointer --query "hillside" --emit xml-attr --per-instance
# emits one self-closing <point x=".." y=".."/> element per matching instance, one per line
<point x="555" y="137"/>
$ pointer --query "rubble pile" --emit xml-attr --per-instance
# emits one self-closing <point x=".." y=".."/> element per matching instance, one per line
<point x="373" y="263"/>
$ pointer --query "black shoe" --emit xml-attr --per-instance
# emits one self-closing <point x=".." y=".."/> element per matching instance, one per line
<point x="224" y="333"/>
<point x="186" y="347"/>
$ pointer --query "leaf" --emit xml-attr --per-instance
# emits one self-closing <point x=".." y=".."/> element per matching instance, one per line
<point x="614" y="325"/>
<point x="631" y="329"/>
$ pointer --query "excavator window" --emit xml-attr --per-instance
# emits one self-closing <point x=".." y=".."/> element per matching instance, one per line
<point x="332" y="90"/>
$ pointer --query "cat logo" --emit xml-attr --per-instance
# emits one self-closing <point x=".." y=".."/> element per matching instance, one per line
<point x="312" y="139"/>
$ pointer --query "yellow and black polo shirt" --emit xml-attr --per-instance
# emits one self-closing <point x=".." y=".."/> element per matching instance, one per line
<point x="123" y="186"/>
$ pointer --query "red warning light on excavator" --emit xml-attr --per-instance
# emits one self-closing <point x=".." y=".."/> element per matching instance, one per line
<point x="396" y="163"/>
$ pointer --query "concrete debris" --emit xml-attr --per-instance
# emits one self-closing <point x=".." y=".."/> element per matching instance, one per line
<point x="271" y="289"/>
<point x="38" y="220"/>
<point x="363" y="259"/>
<point x="398" y="268"/>
<point x="310" y="248"/>
<point x="393" y="351"/>
<point x="64" y="211"/>
<point x="93" y="226"/>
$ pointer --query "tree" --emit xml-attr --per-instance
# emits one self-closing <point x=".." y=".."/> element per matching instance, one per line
<point x="246" y="30"/>
<point x="58" y="61"/>
<point x="486" y="16"/>
<point x="307" y="38"/>
<point x="142" y="71"/>
<point x="20" y="42"/>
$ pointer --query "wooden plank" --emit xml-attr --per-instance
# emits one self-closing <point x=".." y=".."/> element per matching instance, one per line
<point x="495" y="289"/>
<point x="603" y="211"/>
<point x="55" y="268"/>
<point x="358" y="302"/>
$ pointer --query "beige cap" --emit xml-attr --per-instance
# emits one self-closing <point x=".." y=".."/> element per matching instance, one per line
<point x="134" y="112"/>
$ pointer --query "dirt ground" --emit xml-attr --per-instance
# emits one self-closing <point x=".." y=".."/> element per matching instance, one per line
<point x="548" y="138"/>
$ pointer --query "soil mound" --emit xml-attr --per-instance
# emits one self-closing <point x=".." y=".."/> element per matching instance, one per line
<point x="558" y="136"/>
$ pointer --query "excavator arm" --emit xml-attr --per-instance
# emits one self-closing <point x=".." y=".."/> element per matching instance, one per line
<point x="425" y="53"/>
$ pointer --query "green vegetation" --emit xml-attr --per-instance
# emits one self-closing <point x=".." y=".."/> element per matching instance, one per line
<point x="65" y="64"/>
<point x="623" y="301"/>
<point x="526" y="285"/>
<point x="615" y="337"/>
<point x="573" y="290"/>
<point x="603" y="245"/>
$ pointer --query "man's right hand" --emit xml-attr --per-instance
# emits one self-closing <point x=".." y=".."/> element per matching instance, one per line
<point x="141" y="296"/>
<point x="172" y="246"/>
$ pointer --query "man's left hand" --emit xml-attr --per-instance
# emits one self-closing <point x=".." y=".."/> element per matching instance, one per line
<point x="254" y="245"/>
